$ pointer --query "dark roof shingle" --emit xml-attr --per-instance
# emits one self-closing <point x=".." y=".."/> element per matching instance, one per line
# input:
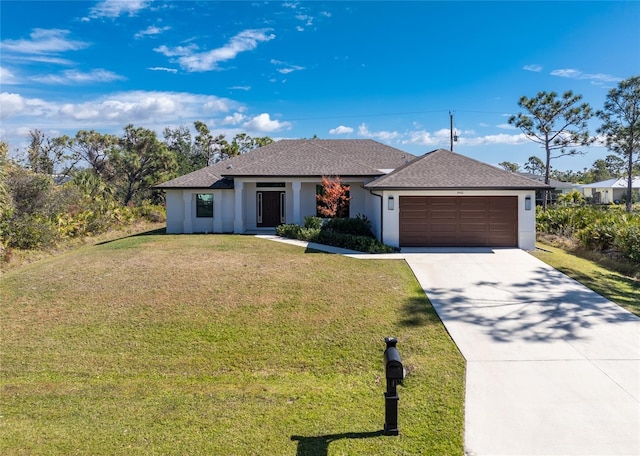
<point x="319" y="157"/>
<point x="299" y="158"/>
<point x="207" y="177"/>
<point x="442" y="169"/>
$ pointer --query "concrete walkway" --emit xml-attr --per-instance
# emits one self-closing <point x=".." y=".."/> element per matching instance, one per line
<point x="552" y="367"/>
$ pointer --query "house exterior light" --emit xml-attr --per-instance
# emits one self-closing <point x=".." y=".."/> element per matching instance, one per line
<point x="390" y="203"/>
<point x="527" y="203"/>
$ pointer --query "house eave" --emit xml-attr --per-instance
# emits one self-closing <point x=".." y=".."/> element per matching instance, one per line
<point x="396" y="188"/>
<point x="301" y="176"/>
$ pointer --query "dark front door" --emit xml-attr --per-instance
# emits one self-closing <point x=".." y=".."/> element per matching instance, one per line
<point x="270" y="208"/>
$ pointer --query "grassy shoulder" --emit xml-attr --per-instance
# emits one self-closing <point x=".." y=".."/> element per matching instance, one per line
<point x="155" y="344"/>
<point x="615" y="286"/>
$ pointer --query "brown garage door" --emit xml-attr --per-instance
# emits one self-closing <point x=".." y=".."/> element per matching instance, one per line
<point x="465" y="221"/>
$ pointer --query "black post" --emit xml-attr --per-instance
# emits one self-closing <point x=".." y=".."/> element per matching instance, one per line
<point x="394" y="373"/>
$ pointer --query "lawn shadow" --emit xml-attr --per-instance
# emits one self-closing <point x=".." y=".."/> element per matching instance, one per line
<point x="319" y="445"/>
<point x="418" y="311"/>
<point x="157" y="231"/>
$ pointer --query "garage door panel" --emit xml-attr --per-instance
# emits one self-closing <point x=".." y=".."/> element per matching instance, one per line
<point x="441" y="215"/>
<point x="476" y="221"/>
<point x="442" y="227"/>
<point x="438" y="201"/>
<point x="473" y="227"/>
<point x="473" y="214"/>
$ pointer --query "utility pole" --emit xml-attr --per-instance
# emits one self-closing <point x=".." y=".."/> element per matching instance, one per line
<point x="453" y="137"/>
<point x="451" y="131"/>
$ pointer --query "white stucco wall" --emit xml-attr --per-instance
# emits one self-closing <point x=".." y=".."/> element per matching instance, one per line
<point x="181" y="212"/>
<point x="526" y="219"/>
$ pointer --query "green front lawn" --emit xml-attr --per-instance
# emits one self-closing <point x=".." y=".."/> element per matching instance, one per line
<point x="225" y="345"/>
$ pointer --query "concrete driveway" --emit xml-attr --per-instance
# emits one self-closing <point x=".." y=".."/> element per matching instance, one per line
<point x="552" y="367"/>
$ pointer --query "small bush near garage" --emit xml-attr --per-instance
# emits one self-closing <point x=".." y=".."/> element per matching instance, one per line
<point x="348" y="233"/>
<point x="358" y="226"/>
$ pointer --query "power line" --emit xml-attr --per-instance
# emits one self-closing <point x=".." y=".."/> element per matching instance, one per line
<point x="352" y="116"/>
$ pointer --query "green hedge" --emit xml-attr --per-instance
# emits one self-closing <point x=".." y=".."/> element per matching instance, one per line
<point x="354" y="234"/>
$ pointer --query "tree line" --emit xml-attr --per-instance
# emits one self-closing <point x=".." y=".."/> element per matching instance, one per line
<point x="68" y="187"/>
<point x="559" y="125"/>
<point x="109" y="179"/>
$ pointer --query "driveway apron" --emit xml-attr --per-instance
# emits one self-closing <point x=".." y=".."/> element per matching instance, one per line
<point x="552" y="367"/>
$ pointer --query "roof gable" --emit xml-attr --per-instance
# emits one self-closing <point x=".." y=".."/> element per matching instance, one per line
<point x="442" y="169"/>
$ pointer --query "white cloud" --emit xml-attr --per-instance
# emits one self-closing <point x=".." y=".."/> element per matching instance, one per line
<point x="168" y="70"/>
<point x="308" y="20"/>
<point x="176" y="51"/>
<point x="245" y="88"/>
<point x="263" y="123"/>
<point x="425" y="138"/>
<point x="192" y="61"/>
<point x="300" y="28"/>
<point x="151" y="31"/>
<point x="116" y="8"/>
<point x="43" y="41"/>
<point x="78" y="77"/>
<point x="117" y="109"/>
<point x="381" y="135"/>
<point x="501" y="138"/>
<point x="14" y="104"/>
<point x="535" y="68"/>
<point x="235" y="119"/>
<point x="577" y="74"/>
<point x="286" y="68"/>
<point x="341" y="130"/>
<point x="7" y="77"/>
<point x="506" y="126"/>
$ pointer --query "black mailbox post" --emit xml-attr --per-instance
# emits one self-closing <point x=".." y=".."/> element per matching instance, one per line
<point x="394" y="372"/>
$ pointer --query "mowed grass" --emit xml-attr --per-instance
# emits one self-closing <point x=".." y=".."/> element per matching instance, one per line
<point x="225" y="345"/>
<point x="623" y="290"/>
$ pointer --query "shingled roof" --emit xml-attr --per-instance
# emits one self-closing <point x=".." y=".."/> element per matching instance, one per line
<point x="318" y="157"/>
<point x="299" y="158"/>
<point x="442" y="169"/>
<point x="208" y="177"/>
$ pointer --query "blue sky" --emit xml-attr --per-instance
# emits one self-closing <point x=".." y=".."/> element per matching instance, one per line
<point x="390" y="71"/>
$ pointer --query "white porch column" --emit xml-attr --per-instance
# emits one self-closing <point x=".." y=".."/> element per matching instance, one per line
<point x="187" y="224"/>
<point x="296" y="186"/>
<point x="217" y="212"/>
<point x="238" y="224"/>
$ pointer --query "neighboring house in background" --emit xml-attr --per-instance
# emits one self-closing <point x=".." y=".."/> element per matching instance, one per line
<point x="439" y="199"/>
<point x="609" y="191"/>
<point x="560" y="187"/>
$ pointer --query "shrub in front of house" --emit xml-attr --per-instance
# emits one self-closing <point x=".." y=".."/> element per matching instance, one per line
<point x="289" y="230"/>
<point x="359" y="226"/>
<point x="311" y="221"/>
<point x="343" y="233"/>
<point x="353" y="242"/>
